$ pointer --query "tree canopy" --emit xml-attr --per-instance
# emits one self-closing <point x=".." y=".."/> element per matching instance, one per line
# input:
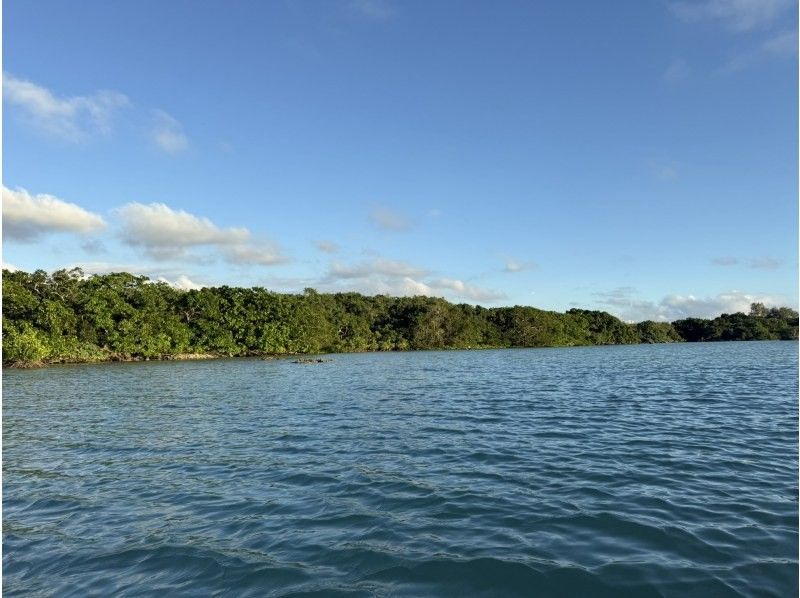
<point x="67" y="317"/>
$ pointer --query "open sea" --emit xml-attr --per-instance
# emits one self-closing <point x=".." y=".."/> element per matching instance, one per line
<point x="650" y="470"/>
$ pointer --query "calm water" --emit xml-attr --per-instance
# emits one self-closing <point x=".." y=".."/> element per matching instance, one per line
<point x="645" y="470"/>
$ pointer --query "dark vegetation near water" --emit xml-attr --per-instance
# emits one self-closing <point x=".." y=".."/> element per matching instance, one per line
<point x="66" y="317"/>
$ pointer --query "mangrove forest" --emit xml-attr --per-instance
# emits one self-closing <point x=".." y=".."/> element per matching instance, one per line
<point x="67" y="317"/>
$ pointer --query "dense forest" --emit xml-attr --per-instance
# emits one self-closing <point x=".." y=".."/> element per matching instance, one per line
<point x="67" y="317"/>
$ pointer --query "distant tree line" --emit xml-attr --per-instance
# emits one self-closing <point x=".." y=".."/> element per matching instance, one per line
<point x="66" y="317"/>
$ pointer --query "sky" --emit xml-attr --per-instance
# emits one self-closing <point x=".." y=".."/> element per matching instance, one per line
<point x="638" y="157"/>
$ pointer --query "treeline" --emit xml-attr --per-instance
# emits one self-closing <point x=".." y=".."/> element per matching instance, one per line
<point x="66" y="317"/>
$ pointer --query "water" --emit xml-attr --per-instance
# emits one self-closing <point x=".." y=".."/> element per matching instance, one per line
<point x="639" y="470"/>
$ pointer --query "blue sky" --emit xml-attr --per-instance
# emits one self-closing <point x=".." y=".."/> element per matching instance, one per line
<point x="638" y="157"/>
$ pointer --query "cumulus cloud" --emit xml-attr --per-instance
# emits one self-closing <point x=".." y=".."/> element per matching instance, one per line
<point x="623" y="303"/>
<point x="376" y="277"/>
<point x="380" y="277"/>
<point x="462" y="289"/>
<point x="326" y="246"/>
<point x="90" y="268"/>
<point x="183" y="283"/>
<point x="517" y="266"/>
<point x="167" y="133"/>
<point x="73" y="118"/>
<point x="736" y="15"/>
<point x="392" y="277"/>
<point x="387" y="219"/>
<point x="164" y="233"/>
<point x="9" y="267"/>
<point x="157" y="273"/>
<point x="398" y="287"/>
<point x="684" y="306"/>
<point x="26" y="216"/>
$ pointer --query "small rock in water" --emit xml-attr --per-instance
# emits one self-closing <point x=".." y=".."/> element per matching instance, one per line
<point x="307" y="360"/>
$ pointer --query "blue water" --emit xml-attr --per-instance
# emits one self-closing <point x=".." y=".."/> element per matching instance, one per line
<point x="600" y="471"/>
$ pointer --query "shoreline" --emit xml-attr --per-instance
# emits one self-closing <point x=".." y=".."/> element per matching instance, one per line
<point x="120" y="358"/>
<point x="117" y="358"/>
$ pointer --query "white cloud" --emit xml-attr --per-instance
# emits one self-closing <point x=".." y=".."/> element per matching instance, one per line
<point x="677" y="71"/>
<point x="409" y="286"/>
<point x="623" y="303"/>
<point x="466" y="291"/>
<point x="517" y="266"/>
<point x="167" y="233"/>
<point x="78" y="118"/>
<point x="382" y="278"/>
<point x="684" y="306"/>
<point x="72" y="118"/>
<point x="26" y="216"/>
<point x="183" y="282"/>
<point x="326" y="246"/>
<point x="262" y="253"/>
<point x="158" y="273"/>
<point x="164" y="233"/>
<point x="392" y="277"/>
<point x="781" y="45"/>
<point x="9" y="267"/>
<point x="737" y="15"/>
<point x="387" y="219"/>
<point x="167" y="133"/>
<point x="376" y="267"/>
<point x="376" y="277"/>
<point x="399" y="287"/>
<point x="90" y="268"/>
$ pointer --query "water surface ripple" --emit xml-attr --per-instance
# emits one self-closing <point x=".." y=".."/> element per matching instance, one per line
<point x="666" y="470"/>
